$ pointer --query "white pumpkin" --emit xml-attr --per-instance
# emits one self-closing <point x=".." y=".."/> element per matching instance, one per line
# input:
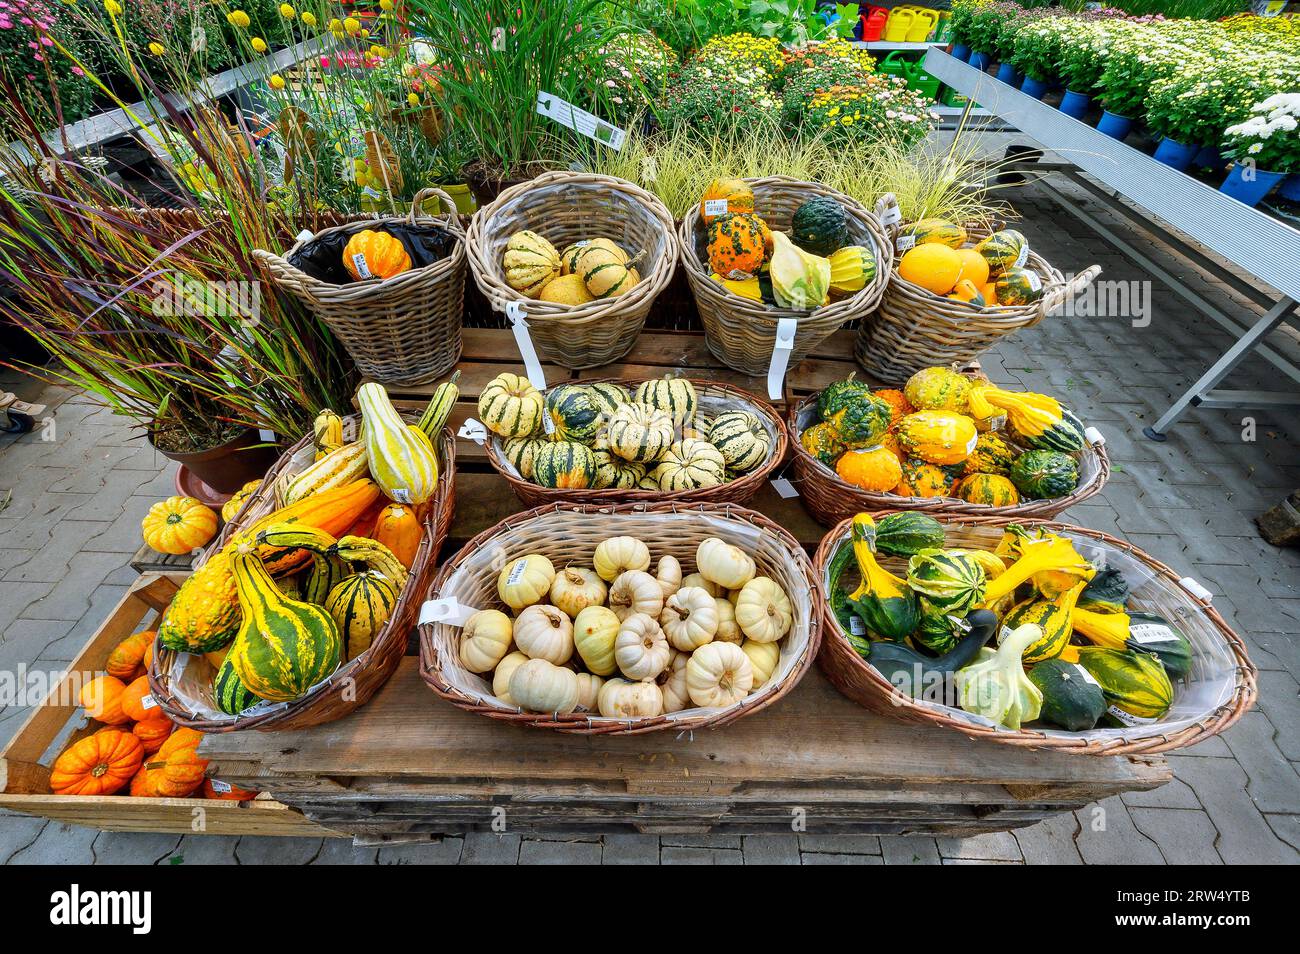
<point x="620" y="699"/>
<point x="575" y="588"/>
<point x="641" y="649"/>
<point x="539" y="686"/>
<point x="697" y="579"/>
<point x="525" y="581"/>
<point x="718" y="674"/>
<point x="589" y="687"/>
<point x="544" y="632"/>
<point x="689" y="618"/>
<point x="763" y="611"/>
<point x="636" y="592"/>
<point x="725" y="564"/>
<point x="501" y="677"/>
<point x="617" y="555"/>
<point x="728" y="628"/>
<point x="485" y="640"/>
<point x="763" y="657"/>
<point x="669" y="574"/>
<point x="594" y="632"/>
<point x="672" y="681"/>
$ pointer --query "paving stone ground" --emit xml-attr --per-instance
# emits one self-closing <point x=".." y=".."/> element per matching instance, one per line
<point x="71" y="509"/>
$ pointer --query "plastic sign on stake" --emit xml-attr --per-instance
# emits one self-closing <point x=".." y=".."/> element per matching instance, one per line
<point x="781" y="348"/>
<point x="448" y="611"/>
<point x="579" y="120"/>
<point x="473" y="430"/>
<point x="519" y="325"/>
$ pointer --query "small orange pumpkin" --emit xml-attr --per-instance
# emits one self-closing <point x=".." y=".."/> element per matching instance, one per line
<point x="737" y="245"/>
<point x="144" y="784"/>
<point x="723" y="196"/>
<point x="398" y="528"/>
<point x="179" y="525"/>
<point x="899" y="405"/>
<point x="99" y="764"/>
<point x="232" y="506"/>
<point x="138" y="703"/>
<point x="922" y="480"/>
<point x="102" y="699"/>
<point x="225" y="792"/>
<point x="871" y="468"/>
<point x="181" y="738"/>
<point x="152" y="733"/>
<point x="371" y="254"/>
<point x="182" y="773"/>
<point x="128" y="655"/>
<point x="147" y="660"/>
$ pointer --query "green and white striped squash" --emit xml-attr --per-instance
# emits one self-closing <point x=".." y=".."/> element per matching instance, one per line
<point x="510" y="406"/>
<point x="565" y="465"/>
<point x="609" y="397"/>
<point x="521" y="452"/>
<point x="741" y="438"/>
<point x="607" y="469"/>
<point x="574" y="413"/>
<point x="640" y="432"/>
<point x="691" y="464"/>
<point x="360" y="606"/>
<point x="676" y="396"/>
<point x="530" y="263"/>
<point x="402" y="459"/>
<point x="948" y="581"/>
<point x="1135" y="684"/>
<point x="230" y="693"/>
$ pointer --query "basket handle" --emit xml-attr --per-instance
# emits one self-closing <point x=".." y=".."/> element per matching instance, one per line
<point x="428" y="192"/>
<point x="1057" y="296"/>
<point x="887" y="211"/>
<point x="281" y="270"/>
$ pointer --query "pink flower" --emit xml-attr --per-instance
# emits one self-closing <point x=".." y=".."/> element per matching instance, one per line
<point x="78" y="71"/>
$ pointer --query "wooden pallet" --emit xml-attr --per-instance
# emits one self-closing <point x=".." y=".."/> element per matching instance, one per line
<point x="148" y="560"/>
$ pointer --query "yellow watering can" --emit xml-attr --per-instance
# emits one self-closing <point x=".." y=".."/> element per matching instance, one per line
<point x="900" y="22"/>
<point x="924" y="21"/>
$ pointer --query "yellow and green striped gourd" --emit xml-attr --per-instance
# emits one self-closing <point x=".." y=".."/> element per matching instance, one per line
<point x="402" y="459"/>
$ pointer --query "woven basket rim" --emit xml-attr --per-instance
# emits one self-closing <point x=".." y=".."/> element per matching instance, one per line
<point x="589" y="724"/>
<point x="747" y="484"/>
<point x="487" y="275"/>
<point x="1149" y="742"/>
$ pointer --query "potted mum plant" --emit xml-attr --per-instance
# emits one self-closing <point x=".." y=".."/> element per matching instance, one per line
<point x="1265" y="149"/>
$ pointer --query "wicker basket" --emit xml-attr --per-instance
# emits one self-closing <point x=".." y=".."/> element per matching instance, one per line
<point x="741" y="332"/>
<point x="830" y="498"/>
<point x="1214" y="695"/>
<point x="914" y="328"/>
<point x="569" y="535"/>
<point x="714" y="397"/>
<point x="402" y="330"/>
<point x="568" y="207"/>
<point x="181" y="683"/>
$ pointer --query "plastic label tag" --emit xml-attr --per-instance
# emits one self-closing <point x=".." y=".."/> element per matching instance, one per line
<point x="473" y="430"/>
<point x="1152" y="633"/>
<point x="1094" y="436"/>
<point x="1032" y="279"/>
<point x="857" y="627"/>
<point x="784" y="488"/>
<point x="519" y="325"/>
<point x="306" y="235"/>
<point x="781" y="348"/>
<point x="1129" y="718"/>
<point x="1196" y="589"/>
<point x="579" y="120"/>
<point x="1087" y="676"/>
<point x="517" y="572"/>
<point x="715" y="207"/>
<point x="219" y="786"/>
<point x="548" y="425"/>
<point x="401" y="494"/>
<point x="891" y="216"/>
<point x="448" y="611"/>
<point x="148" y="702"/>
<point x="359" y="263"/>
<point x="904" y="242"/>
<point x="1023" y="256"/>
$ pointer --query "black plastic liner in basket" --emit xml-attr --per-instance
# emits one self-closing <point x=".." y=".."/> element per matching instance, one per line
<point x="322" y="259"/>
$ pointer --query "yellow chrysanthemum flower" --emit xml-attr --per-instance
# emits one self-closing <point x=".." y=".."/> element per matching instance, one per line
<point x="237" y="18"/>
<point x="369" y="107"/>
<point x="276" y="81"/>
<point x="287" y="11"/>
<point x="352" y="25"/>
<point x="413" y="99"/>
<point x="309" y="18"/>
<point x="258" y="44"/>
<point x="156" y="48"/>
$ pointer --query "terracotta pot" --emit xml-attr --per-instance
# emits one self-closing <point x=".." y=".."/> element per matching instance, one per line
<point x="229" y="466"/>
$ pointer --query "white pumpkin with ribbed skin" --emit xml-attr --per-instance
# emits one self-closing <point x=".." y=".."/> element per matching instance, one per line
<point x="741" y="438"/>
<point x="690" y="464"/>
<point x="594" y="632"/>
<point x="616" y="555"/>
<point x="669" y="574"/>
<point x="676" y="396"/>
<point x="544" y="632"/>
<point x="689" y="619"/>
<point x="728" y="628"/>
<point x="672" y="681"/>
<point x="589" y="687"/>
<point x="697" y="579"/>
<point x="402" y="460"/>
<point x="501" y="676"/>
<point x="620" y="699"/>
<point x="763" y="657"/>
<point x="718" y="674"/>
<point x="724" y="564"/>
<point x="636" y="591"/>
<point x="763" y="610"/>
<point x="641" y="649"/>
<point x="485" y="639"/>
<point x="640" y="433"/>
<point x="525" y="581"/>
<point x="509" y="405"/>
<point x="540" y="686"/>
<point x="575" y="588"/>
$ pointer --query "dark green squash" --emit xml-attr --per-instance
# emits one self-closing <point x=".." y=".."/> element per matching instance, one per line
<point x="885" y="603"/>
<point x="820" y="226"/>
<point x="900" y="665"/>
<point x="1107" y="592"/>
<point x="1043" y="474"/>
<point x="907" y="533"/>
<point x="573" y="413"/>
<point x="1072" y="699"/>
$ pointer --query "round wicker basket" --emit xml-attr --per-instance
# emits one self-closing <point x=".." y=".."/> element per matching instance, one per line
<point x="1216" y="693"/>
<point x="181" y="683"/>
<point x="914" y="328"/>
<point x="567" y="207"/>
<point x="569" y="535"/>
<point x="741" y="332"/>
<point x="401" y="330"/>
<point x="714" y="397"/>
<point x="830" y="498"/>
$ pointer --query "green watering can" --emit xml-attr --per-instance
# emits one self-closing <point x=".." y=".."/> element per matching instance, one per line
<point x="896" y="64"/>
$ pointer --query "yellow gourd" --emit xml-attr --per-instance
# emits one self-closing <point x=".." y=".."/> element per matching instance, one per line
<point x="372" y="254"/>
<point x="402" y="460"/>
<point x="594" y="632"/>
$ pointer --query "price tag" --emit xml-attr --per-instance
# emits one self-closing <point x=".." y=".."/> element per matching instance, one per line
<point x="548" y="425"/>
<point x="519" y="325"/>
<point x="306" y="235"/>
<point x="220" y="787"/>
<point x="784" y="488"/>
<point x="579" y="120"/>
<point x="1129" y="718"/>
<point x="1023" y="257"/>
<point x="904" y="242"/>
<point x="473" y="430"/>
<point x="857" y="627"/>
<point x="891" y="216"/>
<point x="1087" y="676"/>
<point x="148" y="702"/>
<point x="1033" y="281"/>
<point x="1152" y="633"/>
<point x="359" y="263"/>
<point x="400" y="494"/>
<point x="781" y="348"/>
<point x="517" y="572"/>
<point x="447" y="610"/>
<point x="715" y="207"/>
<point x="1094" y="437"/>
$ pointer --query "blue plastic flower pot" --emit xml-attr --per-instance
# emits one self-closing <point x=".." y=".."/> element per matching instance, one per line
<point x="1007" y="74"/>
<point x="1035" y="88"/>
<point x="961" y="51"/>
<point x="979" y="60"/>
<point x="1290" y="188"/>
<point x="1248" y="185"/>
<point x="1175" y="154"/>
<point x="1208" y="158"/>
<point x="1114" y="125"/>
<point x="1075" y="104"/>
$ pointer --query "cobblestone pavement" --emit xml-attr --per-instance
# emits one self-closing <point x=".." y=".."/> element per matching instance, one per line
<point x="74" y="515"/>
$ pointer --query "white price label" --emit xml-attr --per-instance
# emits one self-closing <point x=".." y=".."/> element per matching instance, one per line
<point x="220" y="787"/>
<point x="1023" y="256"/>
<point x="548" y="424"/>
<point x="359" y="263"/>
<point x="473" y="430"/>
<point x="904" y="242"/>
<point x="401" y="495"/>
<point x="782" y="346"/>
<point x="715" y="206"/>
<point x="1032" y="279"/>
<point x="1087" y="676"/>
<point x="1152" y="633"/>
<point x="517" y="572"/>
<point x="148" y="702"/>
<point x="857" y="627"/>
<point x="1129" y="718"/>
<point x="579" y="120"/>
<point x="891" y="216"/>
<point x="519" y="326"/>
<point x="784" y="488"/>
<point x="1094" y="436"/>
<point x="448" y="610"/>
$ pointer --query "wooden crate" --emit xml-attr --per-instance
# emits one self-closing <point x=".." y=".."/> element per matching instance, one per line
<point x="51" y="727"/>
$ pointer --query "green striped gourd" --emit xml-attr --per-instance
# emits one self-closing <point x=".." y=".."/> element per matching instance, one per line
<point x="639" y="432"/>
<point x="1018" y="286"/>
<point x="530" y="262"/>
<point x="691" y="464"/>
<point x="907" y="533"/>
<point x="1004" y="249"/>
<point x="675" y="396"/>
<point x="574" y="413"/>
<point x="284" y="646"/>
<point x="1045" y="474"/>
<point x="372" y="555"/>
<point x="230" y="693"/>
<point x="361" y="605"/>
<point x="438" y="411"/>
<point x="327" y="433"/>
<point x="327" y="570"/>
<point x="510" y="406"/>
<point x="1038" y="421"/>
<point x="886" y="605"/>
<point x="336" y="469"/>
<point x="950" y="581"/>
<point x="1052" y="616"/>
<point x="939" y="231"/>
<point x="565" y="465"/>
<point x="1136" y="685"/>
<point x="609" y="397"/>
<point x="402" y="460"/>
<point x="853" y="267"/>
<point x="521" y="452"/>
<point x="741" y="438"/>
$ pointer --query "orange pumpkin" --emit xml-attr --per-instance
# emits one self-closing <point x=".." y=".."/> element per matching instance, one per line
<point x="144" y="784"/>
<point x="371" y="254"/>
<point x="128" y="655"/>
<point x="735" y="193"/>
<point x="223" y="791"/>
<point x="899" y="405"/>
<point x="102" y="699"/>
<point x="737" y="245"/>
<point x="398" y="528"/>
<point x="871" y="468"/>
<point x="138" y="703"/>
<point x="147" y="659"/>
<point x="152" y="733"/>
<point x="182" y="773"/>
<point x="922" y="480"/>
<point x="181" y="738"/>
<point x="99" y="764"/>
<point x="179" y="525"/>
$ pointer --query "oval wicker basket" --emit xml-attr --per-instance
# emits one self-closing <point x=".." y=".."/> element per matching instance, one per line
<point x="401" y="330"/>
<point x="714" y="397"/>
<point x="914" y="328"/>
<point x="567" y="207"/>
<point x="569" y="535"/>
<point x="356" y="680"/>
<point x="741" y="332"/>
<point x="830" y="498"/>
<point x="1216" y="693"/>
